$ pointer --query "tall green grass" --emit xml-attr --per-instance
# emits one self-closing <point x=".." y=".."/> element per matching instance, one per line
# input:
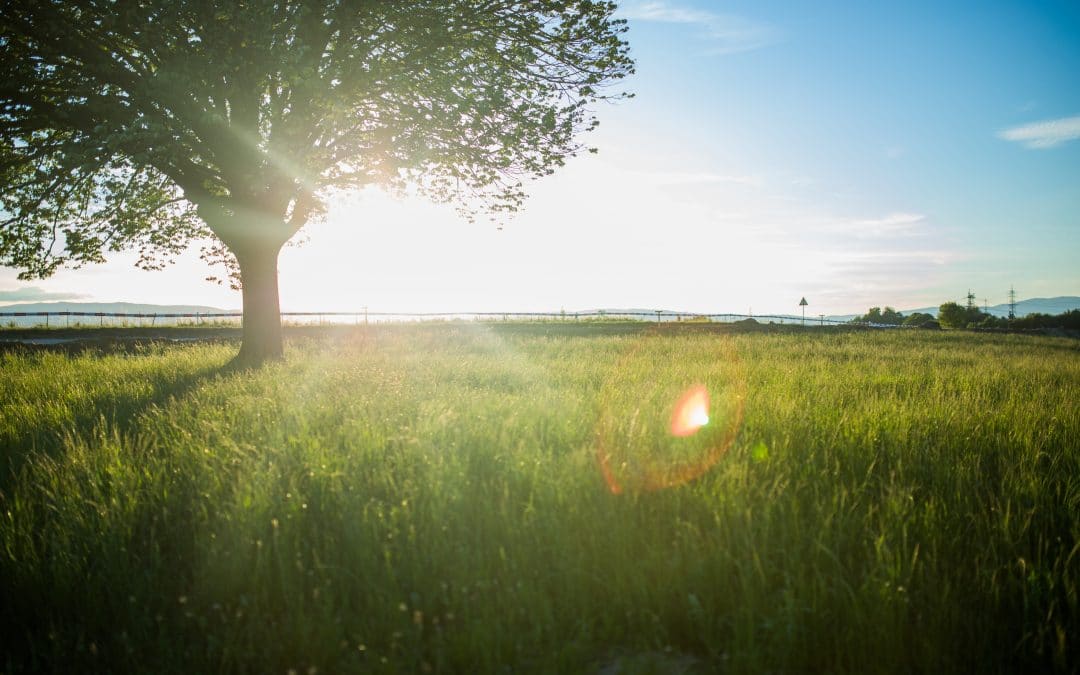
<point x="428" y="499"/>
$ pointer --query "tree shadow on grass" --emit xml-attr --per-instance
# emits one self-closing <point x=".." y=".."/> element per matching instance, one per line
<point x="72" y="613"/>
<point x="120" y="412"/>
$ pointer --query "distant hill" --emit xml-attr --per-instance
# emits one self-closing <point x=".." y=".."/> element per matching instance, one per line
<point x="110" y="307"/>
<point x="674" y="315"/>
<point x="94" y="307"/>
<point x="1057" y="305"/>
<point x="665" y="314"/>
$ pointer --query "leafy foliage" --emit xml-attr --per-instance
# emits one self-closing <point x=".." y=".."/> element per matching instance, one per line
<point x="917" y="319"/>
<point x="954" y="315"/>
<point x="1069" y="320"/>
<point x="148" y="125"/>
<point x="878" y="316"/>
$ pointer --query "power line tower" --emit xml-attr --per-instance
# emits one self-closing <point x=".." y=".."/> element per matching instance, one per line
<point x="970" y="301"/>
<point x="1012" y="303"/>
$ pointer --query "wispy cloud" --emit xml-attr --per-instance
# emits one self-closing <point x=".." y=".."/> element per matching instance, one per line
<point x="893" y="224"/>
<point x="687" y="178"/>
<point x="728" y="33"/>
<point x="35" y="294"/>
<point x="901" y="279"/>
<point x="802" y="227"/>
<point x="1045" y="134"/>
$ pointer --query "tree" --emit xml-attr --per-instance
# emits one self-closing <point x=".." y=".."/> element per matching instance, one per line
<point x="891" y="316"/>
<point x="150" y="125"/>
<point x="875" y="315"/>
<point x="918" y="319"/>
<point x="953" y="315"/>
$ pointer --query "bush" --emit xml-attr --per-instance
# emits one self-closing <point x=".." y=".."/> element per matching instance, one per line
<point x="918" y="319"/>
<point x="1068" y="320"/>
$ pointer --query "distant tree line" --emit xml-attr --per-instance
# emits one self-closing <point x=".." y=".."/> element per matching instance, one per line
<point x="891" y="317"/>
<point x="955" y="315"/>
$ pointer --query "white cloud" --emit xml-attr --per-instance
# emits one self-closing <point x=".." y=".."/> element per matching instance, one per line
<point x="728" y="33"/>
<point x="1046" y="134"/>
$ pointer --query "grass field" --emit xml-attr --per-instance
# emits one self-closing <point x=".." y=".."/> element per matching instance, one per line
<point x="440" y="499"/>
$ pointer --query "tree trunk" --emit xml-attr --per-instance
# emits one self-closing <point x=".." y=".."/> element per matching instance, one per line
<point x="262" y="309"/>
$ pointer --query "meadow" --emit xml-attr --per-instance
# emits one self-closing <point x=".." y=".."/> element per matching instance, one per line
<point x="477" y="498"/>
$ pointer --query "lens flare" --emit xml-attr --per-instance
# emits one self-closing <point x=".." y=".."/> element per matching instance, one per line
<point x="691" y="412"/>
<point x="658" y="428"/>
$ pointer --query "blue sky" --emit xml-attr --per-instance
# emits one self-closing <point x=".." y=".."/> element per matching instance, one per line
<point x="872" y="109"/>
<point x="854" y="153"/>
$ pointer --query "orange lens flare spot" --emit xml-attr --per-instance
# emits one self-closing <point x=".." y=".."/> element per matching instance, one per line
<point x="659" y="433"/>
<point x="691" y="412"/>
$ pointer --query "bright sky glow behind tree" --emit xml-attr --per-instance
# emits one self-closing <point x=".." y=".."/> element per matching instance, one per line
<point x="852" y="153"/>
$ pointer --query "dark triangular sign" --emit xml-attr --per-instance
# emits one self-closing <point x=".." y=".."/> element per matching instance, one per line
<point x="803" y="303"/>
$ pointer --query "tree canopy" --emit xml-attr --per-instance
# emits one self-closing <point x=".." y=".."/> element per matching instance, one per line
<point x="954" y="315"/>
<point x="152" y="124"/>
<point x="876" y="315"/>
<point x="918" y="319"/>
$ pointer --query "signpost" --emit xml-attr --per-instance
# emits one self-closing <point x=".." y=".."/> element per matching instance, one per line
<point x="803" y="303"/>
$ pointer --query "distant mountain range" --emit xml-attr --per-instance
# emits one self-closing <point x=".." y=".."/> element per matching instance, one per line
<point x="111" y="308"/>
